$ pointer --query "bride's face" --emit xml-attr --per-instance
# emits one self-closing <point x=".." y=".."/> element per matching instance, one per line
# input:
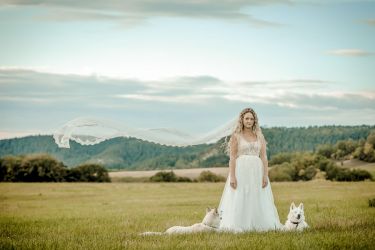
<point x="248" y="120"/>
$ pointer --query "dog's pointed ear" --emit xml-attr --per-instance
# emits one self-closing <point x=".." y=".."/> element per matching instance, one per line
<point x="216" y="210"/>
<point x="301" y="206"/>
<point x="208" y="209"/>
<point x="292" y="206"/>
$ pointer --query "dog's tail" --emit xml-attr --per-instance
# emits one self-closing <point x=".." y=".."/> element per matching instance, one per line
<point x="151" y="233"/>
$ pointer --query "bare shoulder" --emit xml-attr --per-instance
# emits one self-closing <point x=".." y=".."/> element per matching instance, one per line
<point x="261" y="137"/>
<point x="234" y="138"/>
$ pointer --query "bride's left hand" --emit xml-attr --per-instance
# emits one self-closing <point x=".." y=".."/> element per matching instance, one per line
<point x="264" y="182"/>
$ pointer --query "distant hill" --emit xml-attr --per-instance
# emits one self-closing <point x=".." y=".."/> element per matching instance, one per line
<point x="131" y="153"/>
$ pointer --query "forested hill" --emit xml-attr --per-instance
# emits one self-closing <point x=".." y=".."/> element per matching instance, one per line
<point x="130" y="153"/>
<point x="283" y="139"/>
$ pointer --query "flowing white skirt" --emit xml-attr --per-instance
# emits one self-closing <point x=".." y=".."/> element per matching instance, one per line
<point x="249" y="207"/>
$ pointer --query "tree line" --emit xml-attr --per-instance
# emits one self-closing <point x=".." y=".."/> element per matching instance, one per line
<point x="322" y="162"/>
<point x="285" y="166"/>
<point x="170" y="176"/>
<point x="304" y="166"/>
<point x="134" y="154"/>
<point x="45" y="168"/>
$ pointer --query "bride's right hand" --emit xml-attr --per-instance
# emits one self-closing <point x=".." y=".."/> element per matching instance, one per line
<point x="233" y="182"/>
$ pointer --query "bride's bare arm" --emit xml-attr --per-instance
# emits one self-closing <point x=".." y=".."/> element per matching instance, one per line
<point x="233" y="155"/>
<point x="263" y="156"/>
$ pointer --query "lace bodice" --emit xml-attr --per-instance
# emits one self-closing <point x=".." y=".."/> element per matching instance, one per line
<point x="248" y="148"/>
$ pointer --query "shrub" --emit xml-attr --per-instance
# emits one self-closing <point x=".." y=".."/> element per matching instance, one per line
<point x="360" y="175"/>
<point x="325" y="150"/>
<point x="73" y="175"/>
<point x="208" y="176"/>
<point x="344" y="148"/>
<point x="8" y="166"/>
<point x="31" y="168"/>
<point x="184" y="179"/>
<point x="282" y="172"/>
<point x="280" y="158"/>
<point x="168" y="176"/>
<point x="304" y="164"/>
<point x="365" y="149"/>
<point x="345" y="174"/>
<point x="323" y="163"/>
<point x="371" y="202"/>
<point x="310" y="173"/>
<point x="89" y="173"/>
<point x="371" y="138"/>
<point x="45" y="168"/>
<point x="164" y="176"/>
<point x="42" y="168"/>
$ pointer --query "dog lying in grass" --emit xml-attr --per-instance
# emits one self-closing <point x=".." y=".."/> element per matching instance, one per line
<point x="210" y="222"/>
<point x="296" y="218"/>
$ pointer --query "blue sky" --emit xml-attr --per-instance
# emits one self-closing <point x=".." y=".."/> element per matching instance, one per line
<point x="190" y="65"/>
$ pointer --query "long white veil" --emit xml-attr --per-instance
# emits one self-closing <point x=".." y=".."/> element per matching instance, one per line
<point x="90" y="131"/>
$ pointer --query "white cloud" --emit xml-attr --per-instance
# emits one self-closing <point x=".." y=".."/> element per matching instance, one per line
<point x="349" y="52"/>
<point x="26" y="86"/>
<point x="38" y="101"/>
<point x="134" y="11"/>
<point x="168" y="99"/>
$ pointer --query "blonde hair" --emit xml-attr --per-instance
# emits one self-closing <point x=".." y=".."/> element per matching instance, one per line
<point x="240" y="127"/>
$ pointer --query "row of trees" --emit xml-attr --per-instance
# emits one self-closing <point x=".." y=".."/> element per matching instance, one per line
<point x="170" y="176"/>
<point x="44" y="168"/>
<point x="134" y="154"/>
<point x="293" y="166"/>
<point x="286" y="167"/>
<point x="349" y="149"/>
<point x="306" y="166"/>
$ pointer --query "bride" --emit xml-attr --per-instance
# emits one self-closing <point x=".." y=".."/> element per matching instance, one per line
<point x="247" y="202"/>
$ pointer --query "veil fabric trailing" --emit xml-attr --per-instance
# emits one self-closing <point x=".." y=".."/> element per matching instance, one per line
<point x="90" y="131"/>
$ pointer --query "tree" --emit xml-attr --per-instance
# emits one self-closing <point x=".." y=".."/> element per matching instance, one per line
<point x="325" y="150"/>
<point x="42" y="168"/>
<point x="164" y="176"/>
<point x="90" y="173"/>
<point x="208" y="176"/>
<point x="371" y="138"/>
<point x="31" y="168"/>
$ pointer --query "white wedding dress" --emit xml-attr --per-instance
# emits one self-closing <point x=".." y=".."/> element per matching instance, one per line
<point x="249" y="207"/>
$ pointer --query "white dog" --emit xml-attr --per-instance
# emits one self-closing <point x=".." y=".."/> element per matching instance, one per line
<point x="210" y="222"/>
<point x="296" y="218"/>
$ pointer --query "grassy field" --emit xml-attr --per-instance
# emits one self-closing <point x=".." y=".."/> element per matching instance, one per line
<point x="110" y="216"/>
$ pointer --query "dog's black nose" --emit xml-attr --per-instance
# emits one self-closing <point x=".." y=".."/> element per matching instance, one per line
<point x="298" y="216"/>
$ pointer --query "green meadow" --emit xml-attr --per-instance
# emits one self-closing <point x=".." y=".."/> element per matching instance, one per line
<point x="111" y="215"/>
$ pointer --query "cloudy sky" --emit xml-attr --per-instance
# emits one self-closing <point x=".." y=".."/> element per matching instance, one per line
<point x="190" y="65"/>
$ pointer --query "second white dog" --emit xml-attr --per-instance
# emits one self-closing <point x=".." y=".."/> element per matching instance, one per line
<point x="211" y="222"/>
<point x="296" y="218"/>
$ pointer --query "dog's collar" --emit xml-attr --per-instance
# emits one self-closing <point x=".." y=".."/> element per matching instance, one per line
<point x="295" y="223"/>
